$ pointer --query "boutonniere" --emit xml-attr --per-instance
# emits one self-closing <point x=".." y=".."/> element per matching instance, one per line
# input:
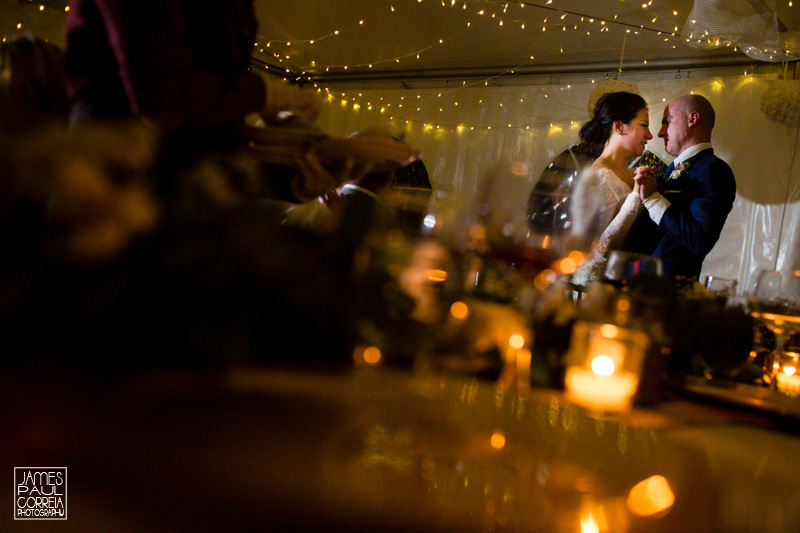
<point x="679" y="170"/>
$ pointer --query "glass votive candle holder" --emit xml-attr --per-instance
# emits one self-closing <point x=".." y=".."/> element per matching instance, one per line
<point x="604" y="365"/>
<point x="787" y="371"/>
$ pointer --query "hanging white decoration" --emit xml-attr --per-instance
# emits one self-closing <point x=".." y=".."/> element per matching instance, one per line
<point x="609" y="86"/>
<point x="781" y="102"/>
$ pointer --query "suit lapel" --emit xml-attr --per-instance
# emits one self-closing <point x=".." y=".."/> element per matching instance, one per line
<point x="669" y="170"/>
<point x="675" y="184"/>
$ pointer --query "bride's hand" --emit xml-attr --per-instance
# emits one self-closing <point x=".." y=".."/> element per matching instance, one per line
<point x="644" y="181"/>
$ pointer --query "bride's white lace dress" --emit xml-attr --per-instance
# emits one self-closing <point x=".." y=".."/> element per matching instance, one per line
<point x="602" y="202"/>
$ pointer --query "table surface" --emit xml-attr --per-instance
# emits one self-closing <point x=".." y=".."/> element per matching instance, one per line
<point x="382" y="449"/>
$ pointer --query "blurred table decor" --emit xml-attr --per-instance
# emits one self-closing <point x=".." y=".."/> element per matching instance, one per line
<point x="623" y="266"/>
<point x="775" y="304"/>
<point x="723" y="287"/>
<point x="604" y="366"/>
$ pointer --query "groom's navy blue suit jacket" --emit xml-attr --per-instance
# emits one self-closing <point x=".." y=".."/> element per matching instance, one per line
<point x="701" y="200"/>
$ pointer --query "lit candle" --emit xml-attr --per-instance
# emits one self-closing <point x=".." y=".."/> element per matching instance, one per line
<point x="788" y="378"/>
<point x="605" y="363"/>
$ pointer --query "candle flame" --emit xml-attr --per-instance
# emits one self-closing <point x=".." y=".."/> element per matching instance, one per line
<point x="589" y="524"/>
<point x="516" y="341"/>
<point x="603" y="365"/>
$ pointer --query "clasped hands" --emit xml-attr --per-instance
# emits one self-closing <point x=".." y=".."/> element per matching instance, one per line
<point x="644" y="182"/>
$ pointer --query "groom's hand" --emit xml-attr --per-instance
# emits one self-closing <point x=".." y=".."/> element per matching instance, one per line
<point x="645" y="181"/>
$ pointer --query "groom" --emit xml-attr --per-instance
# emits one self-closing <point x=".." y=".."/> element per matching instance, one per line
<point x="687" y="207"/>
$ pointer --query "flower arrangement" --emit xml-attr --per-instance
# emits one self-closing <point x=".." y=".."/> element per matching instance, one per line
<point x="781" y="102"/>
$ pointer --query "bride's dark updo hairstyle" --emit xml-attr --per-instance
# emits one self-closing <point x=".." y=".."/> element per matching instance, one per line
<point x="609" y="108"/>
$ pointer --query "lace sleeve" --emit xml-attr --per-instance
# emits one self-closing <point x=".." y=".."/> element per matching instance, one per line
<point x="593" y="205"/>
<point x="617" y="229"/>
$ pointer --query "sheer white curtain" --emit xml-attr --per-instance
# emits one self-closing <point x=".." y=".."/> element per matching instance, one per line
<point x="501" y="126"/>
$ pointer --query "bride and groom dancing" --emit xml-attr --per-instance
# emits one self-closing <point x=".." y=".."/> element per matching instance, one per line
<point x="677" y="217"/>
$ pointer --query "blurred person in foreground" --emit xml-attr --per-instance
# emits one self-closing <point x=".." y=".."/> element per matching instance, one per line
<point x="607" y="199"/>
<point x="186" y="70"/>
<point x="136" y="278"/>
<point x="33" y="100"/>
<point x="689" y="204"/>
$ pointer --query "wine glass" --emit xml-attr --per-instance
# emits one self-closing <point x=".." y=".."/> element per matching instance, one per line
<point x="776" y="305"/>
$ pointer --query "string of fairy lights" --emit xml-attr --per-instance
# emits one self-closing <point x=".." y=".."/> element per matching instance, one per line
<point x="532" y="125"/>
<point x="505" y="14"/>
<point x="556" y="19"/>
<point x="544" y="16"/>
<point x="44" y="18"/>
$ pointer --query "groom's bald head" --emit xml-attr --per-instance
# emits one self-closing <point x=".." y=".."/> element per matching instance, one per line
<point x="694" y="103"/>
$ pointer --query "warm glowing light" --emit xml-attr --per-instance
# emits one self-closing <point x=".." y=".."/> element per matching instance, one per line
<point x="651" y="497"/>
<point x="477" y="232"/>
<point x="372" y="355"/>
<point x="519" y="168"/>
<point x="609" y="331"/>
<point x="498" y="440"/>
<point x="789" y="370"/>
<point x="589" y="524"/>
<point x="516" y="341"/>
<point x="624" y="305"/>
<point x="576" y="256"/>
<point x="603" y="365"/>
<point x="437" y="275"/>
<point x="459" y="310"/>
<point x="567" y="265"/>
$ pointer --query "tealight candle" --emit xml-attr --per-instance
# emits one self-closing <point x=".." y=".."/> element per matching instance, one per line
<point x="787" y="377"/>
<point x="605" y="362"/>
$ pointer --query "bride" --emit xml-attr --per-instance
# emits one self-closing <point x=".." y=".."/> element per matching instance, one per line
<point x="606" y="199"/>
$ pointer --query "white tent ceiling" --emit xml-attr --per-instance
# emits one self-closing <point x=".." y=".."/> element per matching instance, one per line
<point x="331" y="40"/>
<point x="339" y="40"/>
